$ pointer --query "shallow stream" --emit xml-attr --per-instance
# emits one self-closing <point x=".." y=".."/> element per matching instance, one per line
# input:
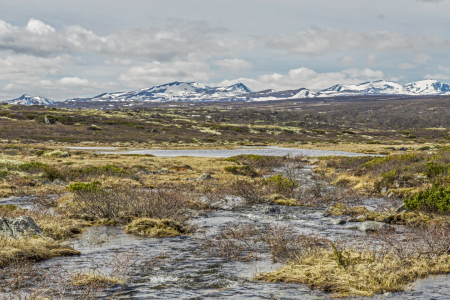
<point x="188" y="272"/>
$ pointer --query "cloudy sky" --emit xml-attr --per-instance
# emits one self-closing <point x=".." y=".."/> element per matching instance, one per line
<point x="65" y="49"/>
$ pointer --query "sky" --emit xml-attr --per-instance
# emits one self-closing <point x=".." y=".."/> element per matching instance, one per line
<point x="68" y="49"/>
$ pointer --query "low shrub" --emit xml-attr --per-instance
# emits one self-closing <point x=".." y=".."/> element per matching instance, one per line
<point x="53" y="173"/>
<point x="436" y="198"/>
<point x="39" y="152"/>
<point x="93" y="186"/>
<point x="241" y="170"/>
<point x="435" y="169"/>
<point x="123" y="204"/>
<point x="57" y="153"/>
<point x="282" y="184"/>
<point x="33" y="166"/>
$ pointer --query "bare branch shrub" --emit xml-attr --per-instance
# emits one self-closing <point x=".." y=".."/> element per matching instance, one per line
<point x="247" y="241"/>
<point x="122" y="203"/>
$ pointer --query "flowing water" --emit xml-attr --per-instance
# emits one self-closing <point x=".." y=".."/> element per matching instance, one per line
<point x="188" y="272"/>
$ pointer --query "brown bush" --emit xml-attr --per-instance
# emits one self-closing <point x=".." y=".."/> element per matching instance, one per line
<point x="122" y="204"/>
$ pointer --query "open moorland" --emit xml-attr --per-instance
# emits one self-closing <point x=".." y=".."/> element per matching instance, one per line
<point x="371" y="120"/>
<point x="137" y="225"/>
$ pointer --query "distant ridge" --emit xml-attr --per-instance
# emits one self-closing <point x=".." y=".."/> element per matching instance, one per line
<point x="196" y="92"/>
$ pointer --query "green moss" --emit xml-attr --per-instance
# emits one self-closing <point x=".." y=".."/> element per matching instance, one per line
<point x="412" y="218"/>
<point x="286" y="202"/>
<point x="93" y="186"/>
<point x="8" y="207"/>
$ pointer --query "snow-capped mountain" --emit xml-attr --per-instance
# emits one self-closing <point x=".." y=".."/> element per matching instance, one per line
<point x="375" y="87"/>
<point x="426" y="87"/>
<point x="382" y="87"/>
<point x="268" y="95"/>
<point x="30" y="100"/>
<point x="175" y="91"/>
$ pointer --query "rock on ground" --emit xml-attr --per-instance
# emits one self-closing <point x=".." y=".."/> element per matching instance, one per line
<point x="18" y="227"/>
<point x="204" y="176"/>
<point x="371" y="226"/>
<point x="337" y="221"/>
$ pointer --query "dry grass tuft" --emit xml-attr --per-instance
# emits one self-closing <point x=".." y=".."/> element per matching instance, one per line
<point x="156" y="227"/>
<point x="32" y="249"/>
<point x="94" y="278"/>
<point x="357" y="273"/>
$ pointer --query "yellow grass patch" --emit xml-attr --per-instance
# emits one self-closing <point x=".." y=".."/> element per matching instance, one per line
<point x="357" y="273"/>
<point x="32" y="249"/>
<point x="155" y="227"/>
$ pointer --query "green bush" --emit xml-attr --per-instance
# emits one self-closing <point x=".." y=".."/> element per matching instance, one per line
<point x="52" y="173"/>
<point x="281" y="184"/>
<point x="51" y="119"/>
<point x="232" y="159"/>
<point x="33" y="166"/>
<point x="93" y="186"/>
<point x="434" y="169"/>
<point x="39" y="152"/>
<point x="389" y="177"/>
<point x="3" y="173"/>
<point x="109" y="169"/>
<point x="435" y="198"/>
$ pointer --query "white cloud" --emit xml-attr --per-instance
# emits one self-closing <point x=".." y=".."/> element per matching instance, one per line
<point x="235" y="66"/>
<point x="39" y="27"/>
<point x="442" y="68"/>
<point x="406" y="66"/>
<point x="26" y="68"/>
<point x="74" y="82"/>
<point x="436" y="76"/>
<point x="346" y="60"/>
<point x="177" y="40"/>
<point x="149" y="74"/>
<point x="307" y="78"/>
<point x="118" y="62"/>
<point x="320" y="40"/>
<point x="421" y="58"/>
<point x="372" y="59"/>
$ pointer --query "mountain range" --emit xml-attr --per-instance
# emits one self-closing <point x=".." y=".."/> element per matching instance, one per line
<point x="197" y="92"/>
